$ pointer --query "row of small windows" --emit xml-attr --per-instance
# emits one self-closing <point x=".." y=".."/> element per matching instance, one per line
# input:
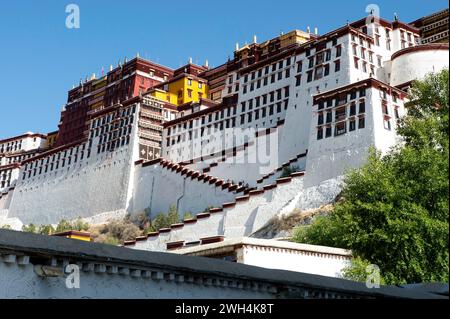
<point x="340" y="113"/>
<point x="123" y="124"/>
<point x="55" y="162"/>
<point x="4" y="184"/>
<point x="5" y="176"/>
<point x="5" y="179"/>
<point x="342" y="99"/>
<point x="278" y="107"/>
<point x="17" y="159"/>
<point x="11" y="146"/>
<point x="317" y="60"/>
<point x="265" y="98"/>
<point x="217" y="116"/>
<point x="108" y="118"/>
<point x="267" y="69"/>
<point x="265" y="81"/>
<point x="231" y="122"/>
<point x="341" y="128"/>
<point x="114" y="130"/>
<point x="114" y="144"/>
<point x="320" y="57"/>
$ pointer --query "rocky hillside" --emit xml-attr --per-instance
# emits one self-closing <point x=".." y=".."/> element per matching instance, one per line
<point x="281" y="226"/>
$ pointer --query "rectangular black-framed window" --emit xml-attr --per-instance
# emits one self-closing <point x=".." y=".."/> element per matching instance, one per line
<point x="326" y="70"/>
<point x="352" y="125"/>
<point x="319" y="133"/>
<point x="328" y="131"/>
<point x="338" y="51"/>
<point x="340" y="128"/>
<point x="337" y="66"/>
<point x="361" y="123"/>
<point x="299" y="66"/>
<point x="362" y="107"/>
<point x="329" y="103"/>
<point x="320" y="119"/>
<point x="352" y="109"/>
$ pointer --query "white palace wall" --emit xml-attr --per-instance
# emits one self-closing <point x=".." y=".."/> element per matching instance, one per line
<point x="156" y="188"/>
<point x="248" y="164"/>
<point x="415" y="63"/>
<point x="89" y="189"/>
<point x="95" y="184"/>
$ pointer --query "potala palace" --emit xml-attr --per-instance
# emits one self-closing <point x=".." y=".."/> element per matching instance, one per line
<point x="215" y="141"/>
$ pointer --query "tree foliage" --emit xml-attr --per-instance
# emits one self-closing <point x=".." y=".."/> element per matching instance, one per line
<point x="78" y="225"/>
<point x="164" y="220"/>
<point x="395" y="208"/>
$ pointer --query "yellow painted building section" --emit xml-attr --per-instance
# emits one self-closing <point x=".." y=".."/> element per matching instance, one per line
<point x="78" y="237"/>
<point x="83" y="236"/>
<point x="51" y="139"/>
<point x="184" y="90"/>
<point x="163" y="96"/>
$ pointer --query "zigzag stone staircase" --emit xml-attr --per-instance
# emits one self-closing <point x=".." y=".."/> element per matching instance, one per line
<point x="241" y="217"/>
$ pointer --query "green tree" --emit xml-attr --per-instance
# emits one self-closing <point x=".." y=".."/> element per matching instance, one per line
<point x="288" y="170"/>
<point x="357" y="270"/>
<point x="46" y="230"/>
<point x="163" y="220"/>
<point x="395" y="208"/>
<point x="188" y="215"/>
<point x="65" y="225"/>
<point x="173" y="216"/>
<point x="31" y="228"/>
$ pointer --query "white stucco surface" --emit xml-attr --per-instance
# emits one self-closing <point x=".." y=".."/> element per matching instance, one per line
<point x="416" y="64"/>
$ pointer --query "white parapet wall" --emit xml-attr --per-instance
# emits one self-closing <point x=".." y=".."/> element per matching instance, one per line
<point x="276" y="254"/>
<point x="39" y="267"/>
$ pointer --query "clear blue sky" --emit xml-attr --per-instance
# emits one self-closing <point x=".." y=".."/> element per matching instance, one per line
<point x="40" y="59"/>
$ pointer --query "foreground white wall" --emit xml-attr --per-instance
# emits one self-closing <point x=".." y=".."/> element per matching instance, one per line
<point x="307" y="261"/>
<point x="21" y="282"/>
